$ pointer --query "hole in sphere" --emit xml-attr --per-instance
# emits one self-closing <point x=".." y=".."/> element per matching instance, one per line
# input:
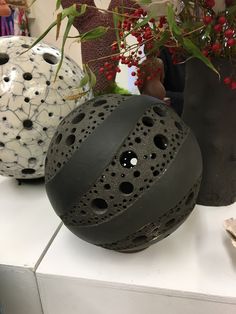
<point x="70" y="140"/>
<point x="161" y="141"/>
<point x="147" y="121"/>
<point x="140" y="239"/>
<point x="160" y="112"/>
<point x="126" y="187"/>
<point x="170" y="223"/>
<point x="128" y="159"/>
<point x="27" y="76"/>
<point x="4" y="58"/>
<point x="107" y="186"/>
<point x="136" y="174"/>
<point x="28" y="124"/>
<point x="189" y="199"/>
<point x="25" y="46"/>
<point x="28" y="171"/>
<point x="32" y="160"/>
<point x="99" y="103"/>
<point x="6" y="79"/>
<point x="49" y="58"/>
<point x="179" y="126"/>
<point x="99" y="205"/>
<point x="78" y="118"/>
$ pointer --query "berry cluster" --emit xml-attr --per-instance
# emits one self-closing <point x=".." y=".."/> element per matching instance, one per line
<point x="222" y="32"/>
<point x="216" y="36"/>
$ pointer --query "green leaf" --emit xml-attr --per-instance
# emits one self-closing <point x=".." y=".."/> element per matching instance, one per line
<point x="116" y="20"/>
<point x="85" y="79"/>
<point x="95" y="33"/>
<point x="66" y="33"/>
<point x="171" y="18"/>
<point x="59" y="19"/>
<point x="58" y="4"/>
<point x="92" y="76"/>
<point x="144" y="1"/>
<point x="195" y="51"/>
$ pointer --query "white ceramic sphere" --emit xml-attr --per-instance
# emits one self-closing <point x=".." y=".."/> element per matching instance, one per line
<point x="32" y="104"/>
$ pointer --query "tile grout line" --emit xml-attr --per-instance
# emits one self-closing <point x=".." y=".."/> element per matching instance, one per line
<point x="47" y="247"/>
<point x="40" y="260"/>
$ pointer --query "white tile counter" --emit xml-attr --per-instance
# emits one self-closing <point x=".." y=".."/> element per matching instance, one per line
<point x="28" y="224"/>
<point x="191" y="272"/>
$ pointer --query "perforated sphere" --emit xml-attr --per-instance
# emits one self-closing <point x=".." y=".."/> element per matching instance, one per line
<point x="123" y="172"/>
<point x="32" y="104"/>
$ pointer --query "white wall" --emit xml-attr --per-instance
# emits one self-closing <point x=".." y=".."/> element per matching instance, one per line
<point x="44" y="14"/>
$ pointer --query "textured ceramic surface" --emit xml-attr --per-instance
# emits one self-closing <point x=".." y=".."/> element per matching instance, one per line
<point x="123" y="172"/>
<point x="32" y="104"/>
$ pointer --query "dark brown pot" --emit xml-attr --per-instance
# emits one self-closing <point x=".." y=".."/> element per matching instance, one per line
<point x="210" y="110"/>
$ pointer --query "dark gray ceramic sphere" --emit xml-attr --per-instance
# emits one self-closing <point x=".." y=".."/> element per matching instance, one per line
<point x="123" y="172"/>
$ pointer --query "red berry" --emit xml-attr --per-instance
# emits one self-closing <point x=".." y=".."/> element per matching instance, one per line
<point x="207" y="19"/>
<point x="101" y="70"/>
<point x="227" y="80"/>
<point x="109" y="77"/>
<point x="222" y="20"/>
<point x="210" y="3"/>
<point x="215" y="47"/>
<point x="218" y="28"/>
<point x="231" y="42"/>
<point x="229" y="33"/>
<point x="205" y="52"/>
<point x="133" y="73"/>
<point x="233" y="85"/>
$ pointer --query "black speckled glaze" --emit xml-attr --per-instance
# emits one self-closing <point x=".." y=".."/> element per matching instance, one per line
<point x="123" y="172"/>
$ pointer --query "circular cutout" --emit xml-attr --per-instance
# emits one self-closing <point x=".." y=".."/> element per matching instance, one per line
<point x="25" y="46"/>
<point x="159" y="111"/>
<point x="179" y="126"/>
<point x="189" y="199"/>
<point x="99" y="103"/>
<point x="99" y="205"/>
<point x="161" y="141"/>
<point x="78" y="118"/>
<point x="50" y="58"/>
<point x="28" y="171"/>
<point x="136" y="174"/>
<point x="140" y="239"/>
<point x="148" y="121"/>
<point x="27" y="76"/>
<point x="2" y="145"/>
<point x="170" y="223"/>
<point x="4" y="58"/>
<point x="70" y="140"/>
<point x="28" y="124"/>
<point x="32" y="160"/>
<point x="126" y="187"/>
<point x="128" y="159"/>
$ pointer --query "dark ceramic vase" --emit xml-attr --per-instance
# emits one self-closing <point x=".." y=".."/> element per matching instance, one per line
<point x="123" y="172"/>
<point x="210" y="111"/>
